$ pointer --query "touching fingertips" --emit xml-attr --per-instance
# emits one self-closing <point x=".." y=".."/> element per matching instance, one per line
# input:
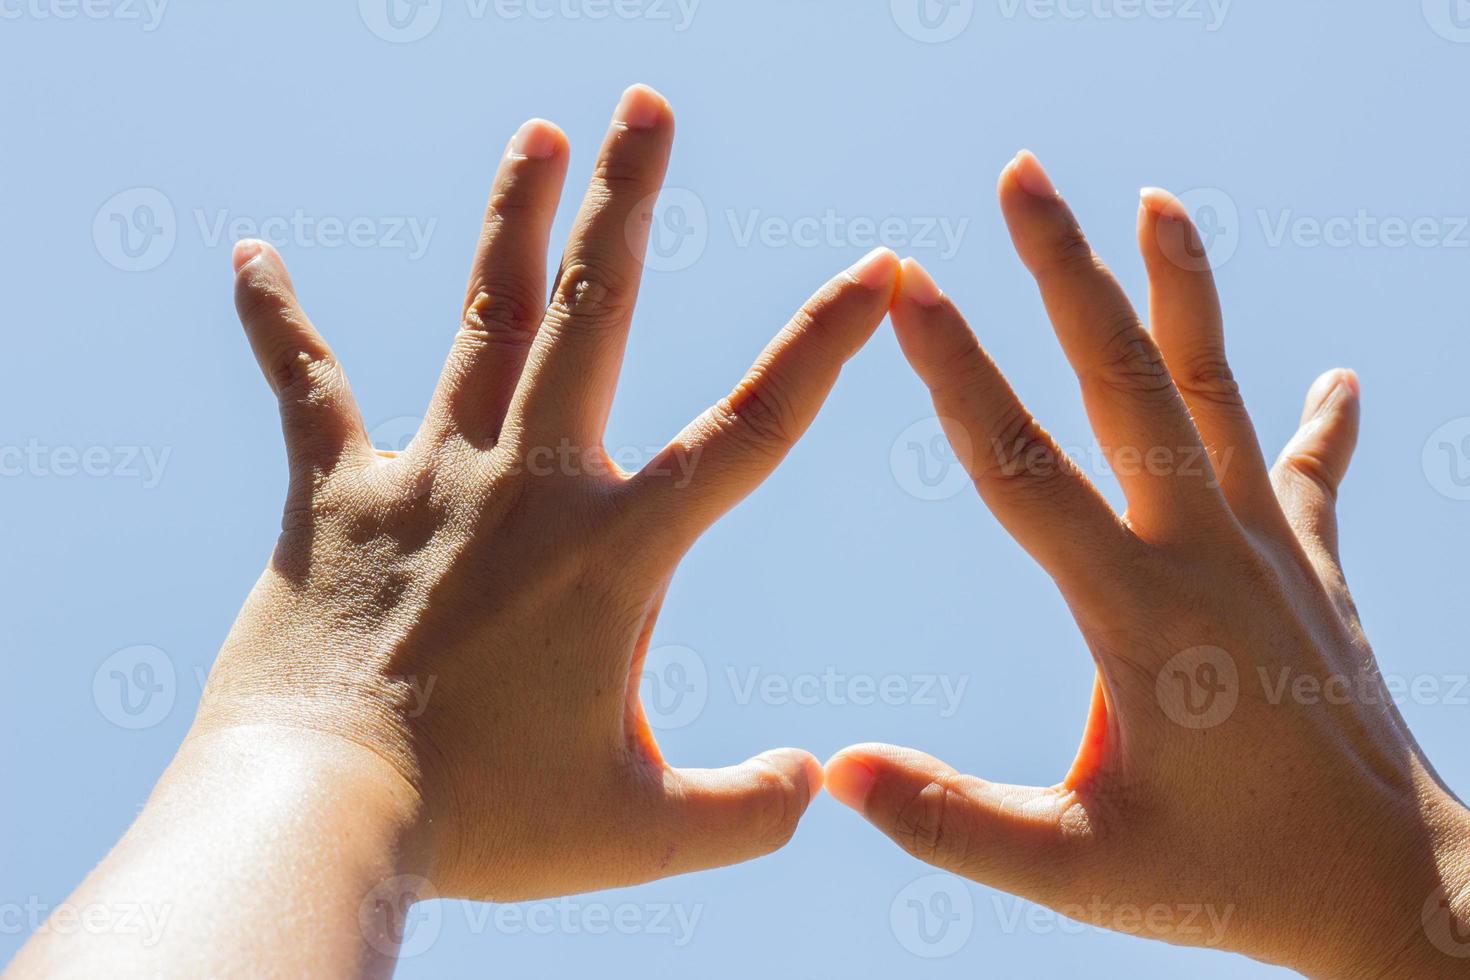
<point x="641" y="108"/>
<point x="917" y="286"/>
<point x="877" y="270"/>
<point x="537" y="139"/>
<point x="850" y="781"/>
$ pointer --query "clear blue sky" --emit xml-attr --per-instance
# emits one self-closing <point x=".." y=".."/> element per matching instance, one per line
<point x="143" y="470"/>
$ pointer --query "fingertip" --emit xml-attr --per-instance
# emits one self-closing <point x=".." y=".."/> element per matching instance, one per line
<point x="642" y="107"/>
<point x="850" y="779"/>
<point x="815" y="775"/>
<point x="1162" y="204"/>
<point x="538" y="139"/>
<point x="1332" y="390"/>
<point x="1031" y="176"/>
<point x="917" y="286"/>
<point x="247" y="250"/>
<point x="878" y="270"/>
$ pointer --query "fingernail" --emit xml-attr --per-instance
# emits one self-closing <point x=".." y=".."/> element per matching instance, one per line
<point x="815" y="777"/>
<point x="245" y="250"/>
<point x="1162" y="203"/>
<point x="918" y="286"/>
<point x="1032" y="176"/>
<point x="640" y="108"/>
<point x="535" y="140"/>
<point x="850" y="782"/>
<point x="874" y="270"/>
<point x="1344" y="386"/>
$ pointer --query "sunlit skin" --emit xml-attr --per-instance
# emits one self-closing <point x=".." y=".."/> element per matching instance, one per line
<point x="1313" y="827"/>
<point x="433" y="688"/>
<point x="317" y="793"/>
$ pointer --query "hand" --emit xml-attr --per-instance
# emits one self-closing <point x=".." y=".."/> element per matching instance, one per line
<point x="505" y="557"/>
<point x="1215" y="800"/>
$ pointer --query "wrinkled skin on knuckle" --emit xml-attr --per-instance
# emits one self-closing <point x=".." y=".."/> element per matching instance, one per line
<point x="930" y="827"/>
<point x="1208" y="378"/>
<point x="617" y="176"/>
<point x="500" y="312"/>
<point x="258" y="297"/>
<point x="777" y="809"/>
<point x="1129" y="361"/>
<point x="1302" y="464"/>
<point x="589" y="299"/>
<point x="759" y="414"/>
<point x="1069" y="252"/>
<point x="1022" y="458"/>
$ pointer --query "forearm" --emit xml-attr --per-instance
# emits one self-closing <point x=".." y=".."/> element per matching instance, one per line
<point x="262" y="851"/>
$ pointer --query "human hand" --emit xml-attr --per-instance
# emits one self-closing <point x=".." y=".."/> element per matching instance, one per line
<point x="505" y="556"/>
<point x="1210" y="776"/>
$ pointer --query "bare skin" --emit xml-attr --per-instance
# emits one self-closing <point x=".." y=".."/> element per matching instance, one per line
<point x="503" y="556"/>
<point x="1301" y="814"/>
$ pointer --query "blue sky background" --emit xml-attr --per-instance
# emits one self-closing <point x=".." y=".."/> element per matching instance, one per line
<point x="1281" y="118"/>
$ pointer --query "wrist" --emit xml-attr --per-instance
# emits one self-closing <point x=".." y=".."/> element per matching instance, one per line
<point x="316" y="777"/>
<point x="1414" y="914"/>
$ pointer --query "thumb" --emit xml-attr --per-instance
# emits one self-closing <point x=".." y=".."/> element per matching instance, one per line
<point x="715" y="817"/>
<point x="318" y="413"/>
<point x="1021" y="839"/>
<point x="1314" y="462"/>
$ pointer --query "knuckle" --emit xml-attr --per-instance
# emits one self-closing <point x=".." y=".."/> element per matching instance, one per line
<point x="1023" y="457"/>
<point x="621" y="174"/>
<point x="516" y="194"/>
<point x="928" y="826"/>
<point x="1307" y="465"/>
<point x="1208" y="378"/>
<point x="761" y="416"/>
<point x="501" y="311"/>
<point x="590" y="296"/>
<point x="1129" y="361"/>
<point x="1070" y="252"/>
<point x="776" y="809"/>
<point x="301" y="377"/>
